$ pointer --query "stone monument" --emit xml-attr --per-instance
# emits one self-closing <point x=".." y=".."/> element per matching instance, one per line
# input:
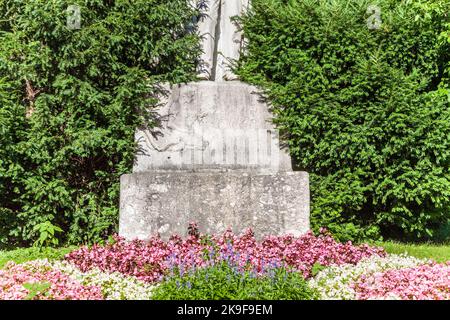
<point x="216" y="157"/>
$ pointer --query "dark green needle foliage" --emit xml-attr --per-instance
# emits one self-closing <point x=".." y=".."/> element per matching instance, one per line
<point x="364" y="110"/>
<point x="70" y="100"/>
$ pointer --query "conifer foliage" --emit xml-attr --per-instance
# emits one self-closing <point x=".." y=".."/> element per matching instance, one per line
<point x="360" y="91"/>
<point x="71" y="97"/>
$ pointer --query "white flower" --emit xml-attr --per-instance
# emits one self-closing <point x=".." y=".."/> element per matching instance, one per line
<point x="115" y="286"/>
<point x="335" y="282"/>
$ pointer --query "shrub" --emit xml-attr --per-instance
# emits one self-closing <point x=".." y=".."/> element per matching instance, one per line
<point x="365" y="111"/>
<point x="70" y="101"/>
<point x="223" y="282"/>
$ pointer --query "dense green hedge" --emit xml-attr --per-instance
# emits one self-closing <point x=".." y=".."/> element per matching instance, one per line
<point x="365" y="111"/>
<point x="70" y="101"/>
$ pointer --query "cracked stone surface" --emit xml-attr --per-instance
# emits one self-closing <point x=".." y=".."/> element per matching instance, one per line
<point x="222" y="41"/>
<point x="165" y="202"/>
<point x="215" y="160"/>
<point x="212" y="125"/>
<point x="215" y="157"/>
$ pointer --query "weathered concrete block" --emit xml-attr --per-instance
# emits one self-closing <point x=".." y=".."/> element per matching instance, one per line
<point x="212" y="125"/>
<point x="216" y="160"/>
<point x="165" y="202"/>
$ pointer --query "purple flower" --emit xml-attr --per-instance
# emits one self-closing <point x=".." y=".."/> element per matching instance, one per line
<point x="211" y="254"/>
<point x="147" y="260"/>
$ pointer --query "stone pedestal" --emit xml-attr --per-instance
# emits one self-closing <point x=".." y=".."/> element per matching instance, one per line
<point x="166" y="202"/>
<point x="212" y="125"/>
<point x="215" y="159"/>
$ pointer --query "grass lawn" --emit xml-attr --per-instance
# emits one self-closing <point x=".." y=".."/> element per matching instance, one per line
<point x="439" y="253"/>
<point x="28" y="254"/>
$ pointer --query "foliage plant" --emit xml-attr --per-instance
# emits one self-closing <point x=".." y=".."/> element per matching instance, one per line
<point x="365" y="110"/>
<point x="70" y="101"/>
<point x="224" y="282"/>
<point x="35" y="289"/>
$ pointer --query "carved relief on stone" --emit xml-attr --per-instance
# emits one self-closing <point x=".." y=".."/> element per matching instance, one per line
<point x="176" y="135"/>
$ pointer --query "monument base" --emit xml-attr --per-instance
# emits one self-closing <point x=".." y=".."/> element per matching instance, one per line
<point x="165" y="202"/>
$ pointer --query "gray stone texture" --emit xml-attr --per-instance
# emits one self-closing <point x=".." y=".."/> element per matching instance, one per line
<point x="177" y="179"/>
<point x="166" y="202"/>
<point x="222" y="40"/>
<point x="212" y="125"/>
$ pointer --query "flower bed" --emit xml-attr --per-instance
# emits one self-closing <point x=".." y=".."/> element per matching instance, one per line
<point x="55" y="284"/>
<point x="285" y="267"/>
<point x="424" y="282"/>
<point x="69" y="282"/>
<point x="336" y="282"/>
<point x="150" y="261"/>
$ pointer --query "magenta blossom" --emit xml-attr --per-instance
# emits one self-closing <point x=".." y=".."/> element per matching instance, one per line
<point x="62" y="287"/>
<point x="150" y="261"/>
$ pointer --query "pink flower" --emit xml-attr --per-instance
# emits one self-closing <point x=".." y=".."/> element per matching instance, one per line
<point x="150" y="260"/>
<point x="426" y="282"/>
<point x="62" y="287"/>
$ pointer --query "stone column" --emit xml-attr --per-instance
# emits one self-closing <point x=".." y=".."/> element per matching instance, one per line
<point x="207" y="29"/>
<point x="230" y="42"/>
